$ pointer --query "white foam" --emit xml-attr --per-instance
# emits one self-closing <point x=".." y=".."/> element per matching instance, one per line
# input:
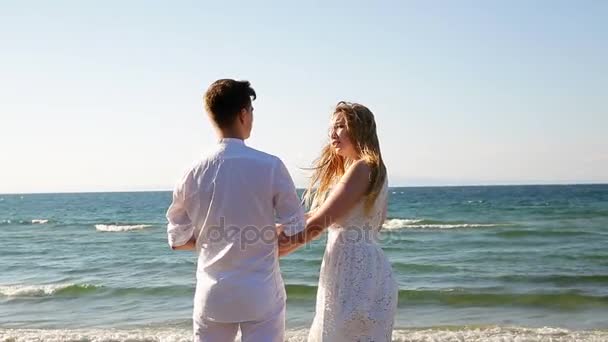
<point x="498" y="334"/>
<point x="32" y="290"/>
<point x="399" y="223"/>
<point x="489" y="334"/>
<point x="117" y="228"/>
<point x="95" y="335"/>
<point x="34" y="221"/>
<point x="394" y="224"/>
<point x="452" y="226"/>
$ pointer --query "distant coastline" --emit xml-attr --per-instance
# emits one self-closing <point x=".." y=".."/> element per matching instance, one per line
<point x="582" y="183"/>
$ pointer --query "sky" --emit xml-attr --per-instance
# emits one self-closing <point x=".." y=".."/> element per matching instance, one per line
<point x="107" y="95"/>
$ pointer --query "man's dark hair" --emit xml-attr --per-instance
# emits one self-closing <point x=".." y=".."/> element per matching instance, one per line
<point x="225" y="98"/>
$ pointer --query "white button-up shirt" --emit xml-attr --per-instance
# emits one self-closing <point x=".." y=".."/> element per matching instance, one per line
<point x="229" y="202"/>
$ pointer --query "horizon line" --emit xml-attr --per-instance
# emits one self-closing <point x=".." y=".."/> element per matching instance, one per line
<point x="301" y="188"/>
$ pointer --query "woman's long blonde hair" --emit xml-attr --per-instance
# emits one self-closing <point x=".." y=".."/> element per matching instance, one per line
<point x="330" y="166"/>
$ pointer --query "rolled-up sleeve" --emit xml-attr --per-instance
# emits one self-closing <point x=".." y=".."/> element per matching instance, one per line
<point x="180" y="228"/>
<point x="288" y="208"/>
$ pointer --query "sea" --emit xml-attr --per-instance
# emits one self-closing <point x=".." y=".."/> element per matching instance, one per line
<point x="474" y="263"/>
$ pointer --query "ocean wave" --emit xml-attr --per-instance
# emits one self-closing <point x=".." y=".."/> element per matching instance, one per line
<point x="399" y="223"/>
<point x="78" y="290"/>
<point x="120" y="228"/>
<point x="449" y="333"/>
<point x="467" y="298"/>
<point x="423" y="268"/>
<point x="452" y="226"/>
<point x="169" y="290"/>
<point x="510" y="234"/>
<point x="24" y="222"/>
<point x="46" y="290"/>
<point x="299" y="292"/>
<point x="473" y="297"/>
<point x="396" y="224"/>
<point x="560" y="279"/>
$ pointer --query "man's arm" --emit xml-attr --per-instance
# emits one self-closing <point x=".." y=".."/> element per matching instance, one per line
<point x="190" y="245"/>
<point x="180" y="230"/>
<point x="287" y="206"/>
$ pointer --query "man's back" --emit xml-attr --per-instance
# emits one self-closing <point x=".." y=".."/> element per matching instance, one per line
<point x="227" y="202"/>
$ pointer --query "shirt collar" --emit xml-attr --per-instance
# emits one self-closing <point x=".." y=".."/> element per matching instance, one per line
<point x="230" y="141"/>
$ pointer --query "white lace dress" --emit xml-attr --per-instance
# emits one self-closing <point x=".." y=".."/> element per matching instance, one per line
<point x="357" y="294"/>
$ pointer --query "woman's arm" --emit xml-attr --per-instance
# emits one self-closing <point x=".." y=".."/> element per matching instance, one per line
<point x="345" y="195"/>
<point x="384" y="213"/>
<point x="285" y="247"/>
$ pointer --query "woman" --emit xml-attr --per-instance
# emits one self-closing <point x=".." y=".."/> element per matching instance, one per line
<point x="357" y="293"/>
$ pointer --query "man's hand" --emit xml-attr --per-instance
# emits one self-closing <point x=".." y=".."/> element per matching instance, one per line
<point x="286" y="246"/>
<point x="188" y="246"/>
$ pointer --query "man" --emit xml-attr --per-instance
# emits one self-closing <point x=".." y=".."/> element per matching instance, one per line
<point x="226" y="208"/>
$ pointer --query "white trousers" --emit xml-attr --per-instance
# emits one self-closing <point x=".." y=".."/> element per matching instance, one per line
<point x="269" y="329"/>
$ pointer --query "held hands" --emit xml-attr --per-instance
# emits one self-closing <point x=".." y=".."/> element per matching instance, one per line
<point x="286" y="246"/>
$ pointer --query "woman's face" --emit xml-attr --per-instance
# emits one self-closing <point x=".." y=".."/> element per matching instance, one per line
<point x="339" y="137"/>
